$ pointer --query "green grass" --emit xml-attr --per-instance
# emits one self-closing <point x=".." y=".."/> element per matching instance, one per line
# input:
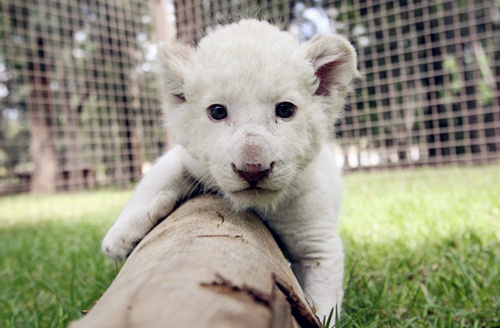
<point x="422" y="250"/>
<point x="51" y="267"/>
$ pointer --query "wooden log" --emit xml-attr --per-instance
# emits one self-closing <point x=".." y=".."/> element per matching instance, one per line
<point x="204" y="266"/>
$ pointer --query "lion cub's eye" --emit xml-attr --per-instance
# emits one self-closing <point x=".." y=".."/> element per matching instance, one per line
<point x="217" y="112"/>
<point x="285" y="109"/>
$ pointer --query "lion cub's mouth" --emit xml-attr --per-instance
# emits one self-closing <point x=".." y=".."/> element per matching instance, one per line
<point x="251" y="189"/>
<point x="254" y="190"/>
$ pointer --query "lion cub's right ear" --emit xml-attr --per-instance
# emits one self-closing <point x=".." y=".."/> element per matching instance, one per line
<point x="176" y="62"/>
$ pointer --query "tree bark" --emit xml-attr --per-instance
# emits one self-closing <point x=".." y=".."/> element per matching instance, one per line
<point x="204" y="266"/>
<point x="42" y="145"/>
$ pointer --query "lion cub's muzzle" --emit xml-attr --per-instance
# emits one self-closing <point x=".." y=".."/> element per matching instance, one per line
<point x="252" y="173"/>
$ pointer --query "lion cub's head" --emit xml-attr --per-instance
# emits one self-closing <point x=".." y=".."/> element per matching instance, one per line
<point x="253" y="106"/>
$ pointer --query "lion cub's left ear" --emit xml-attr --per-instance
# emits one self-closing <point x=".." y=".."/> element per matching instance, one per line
<point x="334" y="61"/>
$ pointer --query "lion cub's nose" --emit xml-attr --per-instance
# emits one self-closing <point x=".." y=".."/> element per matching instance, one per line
<point x="252" y="173"/>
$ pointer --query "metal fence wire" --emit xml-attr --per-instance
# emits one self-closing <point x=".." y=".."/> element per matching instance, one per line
<point x="78" y="95"/>
<point x="430" y="69"/>
<point x="80" y="106"/>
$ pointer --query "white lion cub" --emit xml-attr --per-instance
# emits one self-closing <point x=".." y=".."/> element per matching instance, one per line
<point x="251" y="111"/>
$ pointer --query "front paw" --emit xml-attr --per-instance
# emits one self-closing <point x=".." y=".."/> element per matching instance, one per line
<point x="119" y="243"/>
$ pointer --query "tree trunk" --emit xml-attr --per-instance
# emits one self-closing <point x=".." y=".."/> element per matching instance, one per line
<point x="204" y="266"/>
<point x="42" y="147"/>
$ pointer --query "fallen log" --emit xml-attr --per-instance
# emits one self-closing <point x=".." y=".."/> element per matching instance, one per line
<point x="204" y="266"/>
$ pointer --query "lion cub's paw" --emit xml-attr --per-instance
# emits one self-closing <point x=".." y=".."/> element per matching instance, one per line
<point x="119" y="243"/>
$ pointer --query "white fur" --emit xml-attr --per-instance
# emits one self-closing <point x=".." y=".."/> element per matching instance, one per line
<point x="249" y="67"/>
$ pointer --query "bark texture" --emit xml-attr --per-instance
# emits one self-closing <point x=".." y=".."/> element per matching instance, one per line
<point x="204" y="266"/>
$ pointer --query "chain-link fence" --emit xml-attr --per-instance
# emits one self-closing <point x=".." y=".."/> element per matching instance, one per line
<point x="430" y="74"/>
<point x="78" y="97"/>
<point x="79" y="101"/>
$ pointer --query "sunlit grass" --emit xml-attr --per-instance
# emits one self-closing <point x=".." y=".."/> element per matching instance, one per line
<point x="422" y="250"/>
<point x="51" y="266"/>
<point x="89" y="207"/>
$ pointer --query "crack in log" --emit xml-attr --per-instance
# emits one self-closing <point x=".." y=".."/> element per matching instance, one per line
<point x="224" y="286"/>
<point x="300" y="311"/>
<point x="221" y="217"/>
<point x="223" y="236"/>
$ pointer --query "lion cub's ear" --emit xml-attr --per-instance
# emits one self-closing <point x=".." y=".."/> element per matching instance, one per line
<point x="176" y="62"/>
<point x="334" y="61"/>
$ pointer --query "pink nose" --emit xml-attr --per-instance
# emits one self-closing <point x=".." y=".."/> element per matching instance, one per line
<point x="252" y="173"/>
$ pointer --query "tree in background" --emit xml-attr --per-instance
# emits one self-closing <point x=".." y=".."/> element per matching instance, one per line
<point x="77" y="70"/>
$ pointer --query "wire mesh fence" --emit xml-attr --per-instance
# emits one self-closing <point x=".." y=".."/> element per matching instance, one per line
<point x="79" y="98"/>
<point x="430" y="75"/>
